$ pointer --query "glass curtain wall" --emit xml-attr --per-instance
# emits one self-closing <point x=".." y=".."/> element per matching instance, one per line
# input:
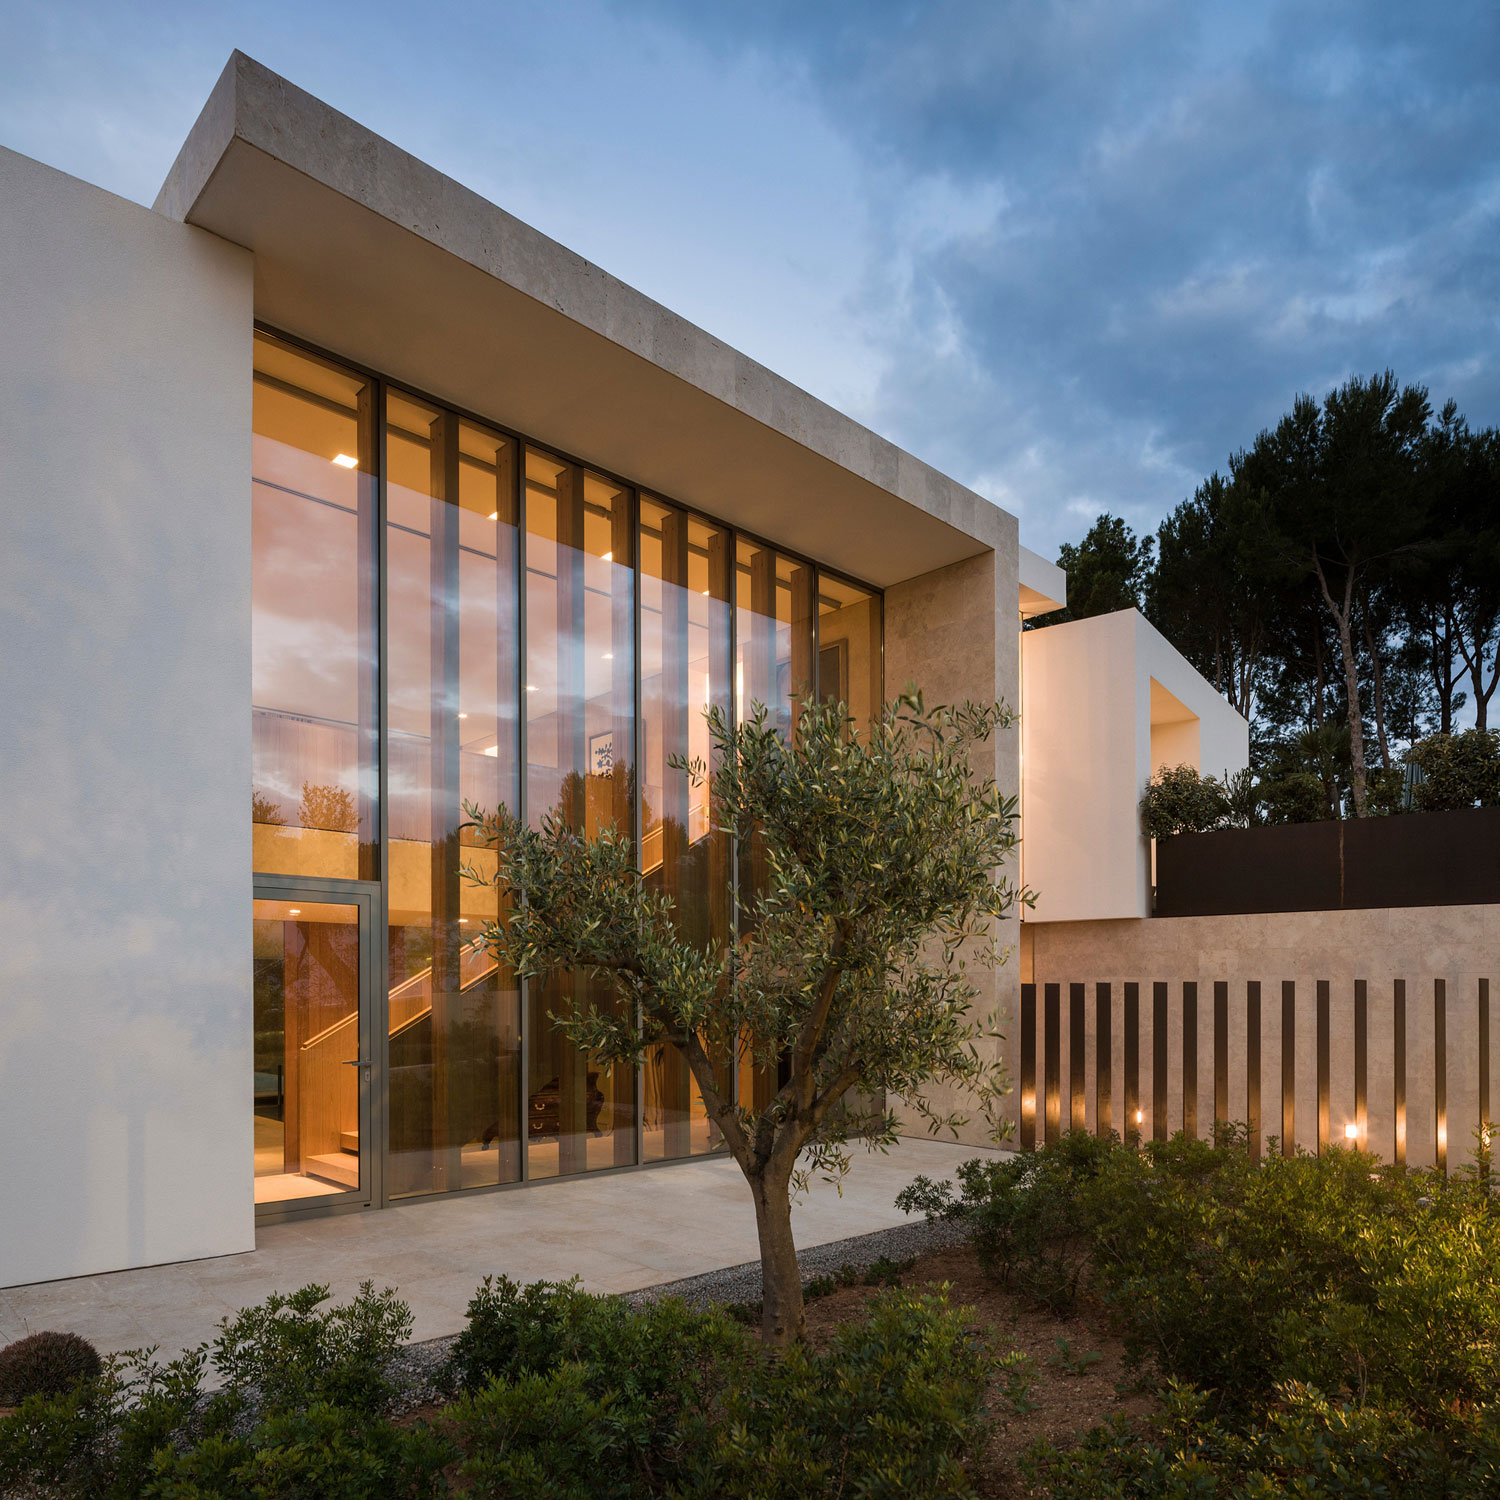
<point x="452" y="689"/>
<point x="775" y="669"/>
<point x="849" y="649"/>
<point x="722" y="621"/>
<point x="313" y="633"/>
<point x="685" y="646"/>
<point x="580" y="752"/>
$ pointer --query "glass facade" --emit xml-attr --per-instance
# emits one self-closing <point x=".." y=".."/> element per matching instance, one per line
<point x="446" y="615"/>
<point x="307" y="1046"/>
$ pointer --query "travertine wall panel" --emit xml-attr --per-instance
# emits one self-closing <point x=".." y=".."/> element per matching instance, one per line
<point x="1420" y="947"/>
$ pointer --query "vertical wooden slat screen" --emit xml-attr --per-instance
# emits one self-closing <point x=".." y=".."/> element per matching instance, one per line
<point x="1288" y="1067"/>
<point x="1440" y="1069"/>
<point x="1077" y="1056"/>
<point x="1323" y="1061"/>
<point x="1361" y="1065"/>
<point x="1252" y="1065"/>
<point x="1159" y="1131"/>
<point x="1132" y="1059"/>
<point x="1028" y="1067"/>
<point x="1051" y="1065"/>
<point x="1104" y="1062"/>
<point x="1190" y="1057"/>
<point x="1221" y="1051"/>
<point x="1399" y="1070"/>
<point x="1484" y="1063"/>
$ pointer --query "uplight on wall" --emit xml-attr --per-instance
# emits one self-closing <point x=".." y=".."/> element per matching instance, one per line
<point x="1139" y="1116"/>
<point x="1351" y="1132"/>
<point x="345" y="462"/>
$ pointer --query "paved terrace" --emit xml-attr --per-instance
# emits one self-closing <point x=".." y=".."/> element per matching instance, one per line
<point x="616" y="1233"/>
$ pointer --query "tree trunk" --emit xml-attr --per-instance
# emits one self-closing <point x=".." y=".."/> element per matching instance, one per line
<point x="1342" y="618"/>
<point x="1379" y="704"/>
<point x="783" y="1319"/>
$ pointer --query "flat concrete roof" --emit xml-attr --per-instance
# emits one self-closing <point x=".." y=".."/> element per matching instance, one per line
<point x="374" y="255"/>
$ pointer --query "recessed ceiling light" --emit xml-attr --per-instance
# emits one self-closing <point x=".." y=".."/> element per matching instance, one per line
<point x="463" y="716"/>
<point x="531" y="687"/>
<point x="493" y="750"/>
<point x="494" y="515"/>
<point x="609" y="656"/>
<point x="463" y="921"/>
<point x="609" y="557"/>
<point x="345" y="462"/>
<point x="705" y="592"/>
<point x="296" y="911"/>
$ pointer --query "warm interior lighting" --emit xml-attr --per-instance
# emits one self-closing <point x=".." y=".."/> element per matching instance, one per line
<point x="463" y="921"/>
<point x="463" y="716"/>
<point x="609" y="656"/>
<point x="531" y="687"/>
<point x="1139" y="1117"/>
<point x="609" y="557"/>
<point x="492" y="750"/>
<point x="1351" y="1132"/>
<point x="705" y="593"/>
<point x="345" y="462"/>
<point x="295" y="911"/>
<point x="494" y="515"/>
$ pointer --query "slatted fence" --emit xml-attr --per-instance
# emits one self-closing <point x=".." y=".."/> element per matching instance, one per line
<point x="1390" y="1067"/>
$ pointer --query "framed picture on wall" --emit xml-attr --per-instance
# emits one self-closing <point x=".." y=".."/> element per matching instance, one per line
<point x="602" y="753"/>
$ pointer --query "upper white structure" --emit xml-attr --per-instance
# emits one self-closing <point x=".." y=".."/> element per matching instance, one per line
<point x="1106" y="702"/>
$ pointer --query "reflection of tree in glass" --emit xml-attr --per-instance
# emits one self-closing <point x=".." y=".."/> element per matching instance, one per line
<point x="328" y="807"/>
<point x="264" y="809"/>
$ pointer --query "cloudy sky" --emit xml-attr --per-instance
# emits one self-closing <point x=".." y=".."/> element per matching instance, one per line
<point x="1073" y="253"/>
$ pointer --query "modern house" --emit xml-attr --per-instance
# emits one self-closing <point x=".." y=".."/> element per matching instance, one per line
<point x="335" y="498"/>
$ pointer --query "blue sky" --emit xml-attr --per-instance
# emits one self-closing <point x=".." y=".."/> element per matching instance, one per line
<point x="1073" y="254"/>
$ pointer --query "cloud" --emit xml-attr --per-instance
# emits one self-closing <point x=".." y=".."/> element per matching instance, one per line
<point x="1072" y="253"/>
<point x="1120" y="238"/>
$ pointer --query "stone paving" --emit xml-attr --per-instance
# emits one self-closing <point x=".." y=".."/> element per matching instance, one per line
<point x="618" y="1233"/>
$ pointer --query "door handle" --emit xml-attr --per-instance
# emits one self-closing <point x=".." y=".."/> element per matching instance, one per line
<point x="357" y="1062"/>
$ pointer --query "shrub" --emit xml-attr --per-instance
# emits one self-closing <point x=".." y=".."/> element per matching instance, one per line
<point x="291" y="1353"/>
<point x="1026" y="1215"/>
<point x="102" y="1438"/>
<point x="1179" y="800"/>
<point x="648" y="1373"/>
<point x="1296" y="797"/>
<point x="1304" y="1445"/>
<point x="1458" y="769"/>
<point x="891" y="1409"/>
<point x="1238" y="1277"/>
<point x="46" y="1364"/>
<point x="325" y="1452"/>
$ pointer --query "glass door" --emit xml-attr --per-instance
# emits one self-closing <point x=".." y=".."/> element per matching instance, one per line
<point x="314" y="1068"/>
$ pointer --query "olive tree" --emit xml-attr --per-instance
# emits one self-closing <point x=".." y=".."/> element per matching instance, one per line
<point x="884" y="856"/>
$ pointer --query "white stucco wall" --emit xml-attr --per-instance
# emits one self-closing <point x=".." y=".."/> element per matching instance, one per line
<point x="1088" y="749"/>
<point x="125" y="965"/>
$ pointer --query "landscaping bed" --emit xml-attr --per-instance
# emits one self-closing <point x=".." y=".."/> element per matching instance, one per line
<point x="1088" y="1322"/>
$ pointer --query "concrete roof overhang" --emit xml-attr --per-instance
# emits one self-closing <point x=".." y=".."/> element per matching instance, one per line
<point x="374" y="255"/>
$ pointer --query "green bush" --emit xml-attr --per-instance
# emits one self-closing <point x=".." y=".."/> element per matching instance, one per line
<point x="1179" y="800"/>
<point x="649" y="1374"/>
<point x="1026" y="1215"/>
<point x="46" y="1364"/>
<point x="891" y="1409"/>
<point x="291" y="1352"/>
<point x="1239" y="1277"/>
<point x="1304" y="1445"/>
<point x="1296" y="797"/>
<point x="325" y="1452"/>
<point x="1458" y="769"/>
